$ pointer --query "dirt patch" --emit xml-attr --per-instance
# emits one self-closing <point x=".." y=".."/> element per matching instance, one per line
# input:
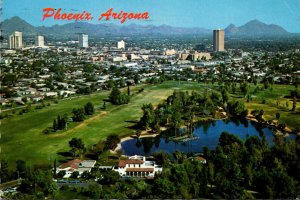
<point x="143" y="134"/>
<point x="83" y="124"/>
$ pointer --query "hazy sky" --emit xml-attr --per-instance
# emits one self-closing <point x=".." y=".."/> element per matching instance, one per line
<point x="182" y="13"/>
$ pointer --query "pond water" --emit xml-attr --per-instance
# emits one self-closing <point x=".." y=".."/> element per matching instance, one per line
<point x="205" y="133"/>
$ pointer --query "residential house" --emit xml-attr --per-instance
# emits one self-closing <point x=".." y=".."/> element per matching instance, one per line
<point x="137" y="166"/>
<point x="76" y="165"/>
<point x="37" y="98"/>
<point x="3" y="102"/>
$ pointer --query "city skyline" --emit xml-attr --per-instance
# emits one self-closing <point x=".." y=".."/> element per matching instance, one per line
<point x="207" y="14"/>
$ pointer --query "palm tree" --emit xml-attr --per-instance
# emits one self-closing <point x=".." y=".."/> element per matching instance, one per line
<point x="294" y="103"/>
<point x="138" y="133"/>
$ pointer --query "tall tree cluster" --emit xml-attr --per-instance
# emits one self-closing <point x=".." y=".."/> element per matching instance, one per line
<point x="60" y="123"/>
<point x="117" y="97"/>
<point x="181" y="107"/>
<point x="79" y="113"/>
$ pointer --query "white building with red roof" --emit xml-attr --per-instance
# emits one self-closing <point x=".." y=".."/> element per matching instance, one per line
<point x="76" y="165"/>
<point x="137" y="166"/>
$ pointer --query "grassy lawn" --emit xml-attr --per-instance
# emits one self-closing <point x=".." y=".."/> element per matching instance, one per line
<point x="292" y="119"/>
<point x="275" y="101"/>
<point x="22" y="136"/>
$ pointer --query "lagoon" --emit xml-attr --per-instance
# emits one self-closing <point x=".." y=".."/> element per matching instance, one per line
<point x="205" y="133"/>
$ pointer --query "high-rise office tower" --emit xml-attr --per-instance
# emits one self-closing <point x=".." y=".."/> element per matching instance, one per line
<point x="15" y="40"/>
<point x="39" y="41"/>
<point x="121" y="45"/>
<point x="83" y="41"/>
<point x="218" y="40"/>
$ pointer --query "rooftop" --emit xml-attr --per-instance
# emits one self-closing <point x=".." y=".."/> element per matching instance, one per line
<point x="122" y="163"/>
<point x="72" y="164"/>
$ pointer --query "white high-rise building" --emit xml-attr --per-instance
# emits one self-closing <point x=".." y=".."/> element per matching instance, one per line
<point x="39" y="41"/>
<point x="83" y="41"/>
<point x="15" y="40"/>
<point x="121" y="45"/>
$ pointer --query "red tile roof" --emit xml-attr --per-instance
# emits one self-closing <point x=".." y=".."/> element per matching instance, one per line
<point x="122" y="163"/>
<point x="199" y="158"/>
<point x="134" y="161"/>
<point x="72" y="164"/>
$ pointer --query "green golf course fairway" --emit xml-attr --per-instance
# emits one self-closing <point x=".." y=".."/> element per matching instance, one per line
<point x="23" y="137"/>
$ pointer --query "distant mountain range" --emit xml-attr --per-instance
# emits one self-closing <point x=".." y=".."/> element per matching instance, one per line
<point x="252" y="28"/>
<point x="255" y="28"/>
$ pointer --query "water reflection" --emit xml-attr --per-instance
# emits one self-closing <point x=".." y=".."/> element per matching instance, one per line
<point x="206" y="135"/>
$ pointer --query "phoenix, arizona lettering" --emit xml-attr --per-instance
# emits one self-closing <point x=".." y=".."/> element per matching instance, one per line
<point x="58" y="14"/>
<point x="123" y="16"/>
